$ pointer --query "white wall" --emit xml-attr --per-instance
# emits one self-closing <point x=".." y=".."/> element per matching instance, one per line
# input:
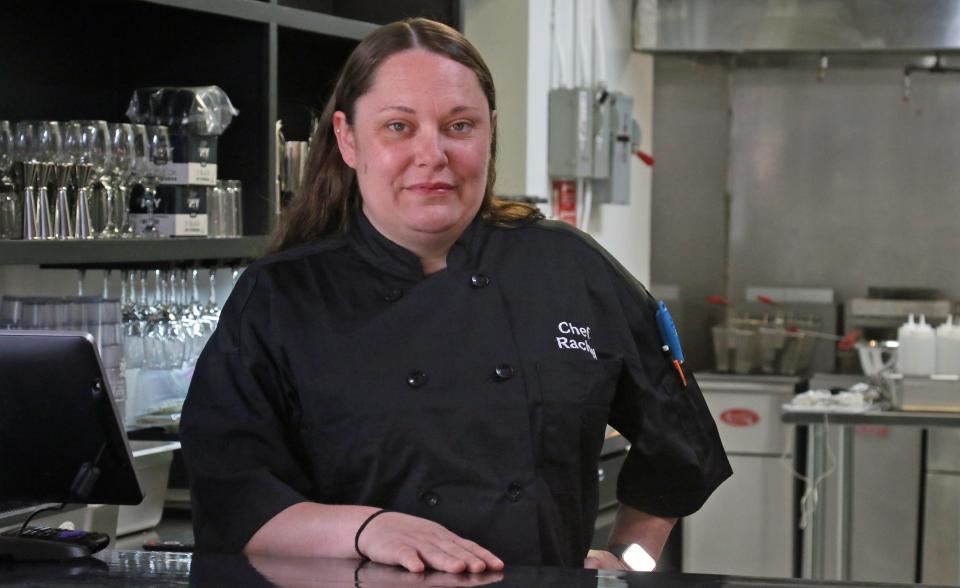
<point x="606" y="57"/>
<point x="498" y="28"/>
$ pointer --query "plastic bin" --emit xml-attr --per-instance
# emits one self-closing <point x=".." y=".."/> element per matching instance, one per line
<point x="152" y="460"/>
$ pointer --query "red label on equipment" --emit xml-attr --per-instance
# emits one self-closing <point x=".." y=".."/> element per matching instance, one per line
<point x="739" y="417"/>
<point x="565" y="201"/>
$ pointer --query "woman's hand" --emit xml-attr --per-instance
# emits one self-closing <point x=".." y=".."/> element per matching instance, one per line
<point x="417" y="544"/>
<point x="603" y="560"/>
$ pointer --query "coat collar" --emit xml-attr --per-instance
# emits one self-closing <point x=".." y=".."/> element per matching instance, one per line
<point x="394" y="259"/>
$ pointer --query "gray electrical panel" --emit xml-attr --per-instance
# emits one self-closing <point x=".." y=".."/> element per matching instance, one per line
<point x="624" y="139"/>
<point x="602" y="135"/>
<point x="592" y="136"/>
<point x="571" y="139"/>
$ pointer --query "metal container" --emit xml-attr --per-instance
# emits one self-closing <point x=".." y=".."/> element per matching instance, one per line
<point x="747" y="525"/>
<point x="770" y="344"/>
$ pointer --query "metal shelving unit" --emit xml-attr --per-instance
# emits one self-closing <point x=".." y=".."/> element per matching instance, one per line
<point x="275" y="58"/>
<point x="268" y="12"/>
<point x="110" y="254"/>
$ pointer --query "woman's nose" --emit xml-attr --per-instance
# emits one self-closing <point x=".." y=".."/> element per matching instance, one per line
<point x="430" y="150"/>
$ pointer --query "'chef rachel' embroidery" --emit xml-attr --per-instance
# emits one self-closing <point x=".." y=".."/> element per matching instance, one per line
<point x="574" y="337"/>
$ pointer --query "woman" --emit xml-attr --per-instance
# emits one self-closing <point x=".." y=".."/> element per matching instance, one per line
<point x="418" y="346"/>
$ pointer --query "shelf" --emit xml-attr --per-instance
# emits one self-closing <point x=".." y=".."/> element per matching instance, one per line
<point x="134" y="252"/>
<point x="263" y="12"/>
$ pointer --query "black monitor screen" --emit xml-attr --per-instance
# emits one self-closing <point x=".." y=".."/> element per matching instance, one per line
<point x="58" y="418"/>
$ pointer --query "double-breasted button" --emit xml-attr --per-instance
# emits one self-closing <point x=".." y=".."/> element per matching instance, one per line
<point x="416" y="379"/>
<point x="504" y="371"/>
<point x="430" y="499"/>
<point x="514" y="492"/>
<point x="479" y="280"/>
<point x="393" y="294"/>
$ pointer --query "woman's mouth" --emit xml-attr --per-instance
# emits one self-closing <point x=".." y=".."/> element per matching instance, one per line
<point x="431" y="188"/>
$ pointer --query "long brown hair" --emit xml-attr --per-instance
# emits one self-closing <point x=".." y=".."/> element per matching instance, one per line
<point x="330" y="196"/>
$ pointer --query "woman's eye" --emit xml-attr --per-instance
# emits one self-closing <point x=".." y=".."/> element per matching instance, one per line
<point x="397" y="127"/>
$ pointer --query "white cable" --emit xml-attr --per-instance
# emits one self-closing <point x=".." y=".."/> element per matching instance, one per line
<point x="553" y="43"/>
<point x="575" y="44"/>
<point x="811" y="496"/>
<point x="584" y="79"/>
<point x="600" y="75"/>
<point x="587" y="205"/>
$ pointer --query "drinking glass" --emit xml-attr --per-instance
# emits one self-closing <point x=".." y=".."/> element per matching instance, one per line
<point x="132" y="322"/>
<point x="155" y="326"/>
<point x="100" y="157"/>
<point x="159" y="156"/>
<point x="11" y="222"/>
<point x="175" y="340"/>
<point x="215" y="201"/>
<point x="233" y="211"/>
<point x="121" y="160"/>
<point x="25" y="151"/>
<point x="49" y="151"/>
<point x="140" y="163"/>
<point x="91" y="158"/>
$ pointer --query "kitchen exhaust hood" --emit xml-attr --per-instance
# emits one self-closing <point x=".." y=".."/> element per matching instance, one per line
<point x="737" y="26"/>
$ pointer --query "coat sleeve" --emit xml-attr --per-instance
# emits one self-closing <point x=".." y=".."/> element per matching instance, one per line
<point x="676" y="458"/>
<point x="238" y="426"/>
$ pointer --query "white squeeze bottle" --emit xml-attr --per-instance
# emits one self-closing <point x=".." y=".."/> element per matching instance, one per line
<point x="905" y="362"/>
<point x="948" y="347"/>
<point x="918" y="348"/>
<point x="924" y="348"/>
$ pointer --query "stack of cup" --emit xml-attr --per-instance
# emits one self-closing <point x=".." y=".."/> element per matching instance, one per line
<point x="224" y="209"/>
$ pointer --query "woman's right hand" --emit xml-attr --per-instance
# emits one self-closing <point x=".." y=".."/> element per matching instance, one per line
<point x="395" y="538"/>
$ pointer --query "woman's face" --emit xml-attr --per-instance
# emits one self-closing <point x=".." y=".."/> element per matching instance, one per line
<point x="420" y="145"/>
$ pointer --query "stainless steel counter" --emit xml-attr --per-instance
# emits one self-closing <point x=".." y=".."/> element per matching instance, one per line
<point x="821" y="461"/>
<point x="160" y="569"/>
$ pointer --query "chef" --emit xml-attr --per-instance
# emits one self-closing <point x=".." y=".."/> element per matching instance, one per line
<point x="421" y="374"/>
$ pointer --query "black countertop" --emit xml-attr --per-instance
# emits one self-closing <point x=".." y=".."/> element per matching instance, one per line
<point x="162" y="569"/>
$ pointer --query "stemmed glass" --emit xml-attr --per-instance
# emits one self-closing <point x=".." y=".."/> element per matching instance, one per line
<point x="174" y="344"/>
<point x="132" y="322"/>
<point x="65" y="172"/>
<point x="122" y="157"/>
<point x="90" y="153"/>
<point x="50" y="147"/>
<point x="25" y="151"/>
<point x="10" y="221"/>
<point x="199" y="329"/>
<point x="159" y="154"/>
<point x="139" y="165"/>
<point x="156" y="325"/>
<point x="39" y="145"/>
<point x="212" y="310"/>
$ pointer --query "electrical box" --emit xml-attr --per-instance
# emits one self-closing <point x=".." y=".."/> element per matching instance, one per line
<point x="624" y="140"/>
<point x="602" y="135"/>
<point x="571" y="138"/>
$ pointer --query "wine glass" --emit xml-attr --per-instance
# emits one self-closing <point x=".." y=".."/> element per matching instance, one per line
<point x="140" y="163"/>
<point x="90" y="155"/>
<point x="49" y="151"/>
<point x="25" y="151"/>
<point x="65" y="173"/>
<point x="159" y="155"/>
<point x="11" y="226"/>
<point x="121" y="160"/>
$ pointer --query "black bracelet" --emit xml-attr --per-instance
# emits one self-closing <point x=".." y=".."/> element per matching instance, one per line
<point x="356" y="540"/>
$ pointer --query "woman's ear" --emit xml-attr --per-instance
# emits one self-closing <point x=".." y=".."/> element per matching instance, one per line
<point x="346" y="140"/>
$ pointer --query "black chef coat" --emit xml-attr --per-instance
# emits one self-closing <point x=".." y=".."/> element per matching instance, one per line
<point x="476" y="396"/>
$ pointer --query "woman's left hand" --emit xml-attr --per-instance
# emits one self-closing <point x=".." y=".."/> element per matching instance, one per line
<point x="603" y="560"/>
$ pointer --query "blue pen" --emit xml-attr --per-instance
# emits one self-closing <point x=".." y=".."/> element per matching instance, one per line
<point x="670" y="338"/>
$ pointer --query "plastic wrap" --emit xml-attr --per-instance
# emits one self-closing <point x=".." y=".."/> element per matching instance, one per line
<point x="202" y="110"/>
